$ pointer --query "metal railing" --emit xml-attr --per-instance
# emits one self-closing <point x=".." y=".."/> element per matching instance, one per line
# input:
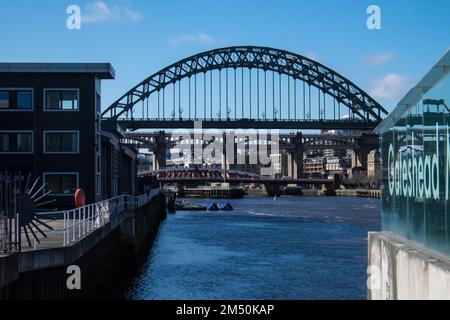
<point x="10" y="192"/>
<point x="9" y="234"/>
<point x="76" y="224"/>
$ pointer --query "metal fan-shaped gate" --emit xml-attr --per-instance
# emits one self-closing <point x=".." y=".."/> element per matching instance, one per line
<point x="20" y="200"/>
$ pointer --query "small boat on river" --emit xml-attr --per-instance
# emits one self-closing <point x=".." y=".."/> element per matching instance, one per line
<point x="186" y="206"/>
<point x="226" y="207"/>
<point x="214" y="207"/>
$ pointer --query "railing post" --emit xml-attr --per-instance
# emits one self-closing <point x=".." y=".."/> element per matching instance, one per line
<point x="65" y="229"/>
<point x="18" y="234"/>
<point x="79" y="223"/>
<point x="73" y="225"/>
<point x="84" y="221"/>
<point x="91" y="209"/>
<point x="97" y="216"/>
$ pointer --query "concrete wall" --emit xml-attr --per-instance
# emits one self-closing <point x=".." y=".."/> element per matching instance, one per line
<point x="401" y="270"/>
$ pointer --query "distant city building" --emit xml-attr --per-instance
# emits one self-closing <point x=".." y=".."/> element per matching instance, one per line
<point x="314" y="166"/>
<point x="280" y="163"/>
<point x="333" y="153"/>
<point x="373" y="164"/>
<point x="276" y="160"/>
<point x="337" y="166"/>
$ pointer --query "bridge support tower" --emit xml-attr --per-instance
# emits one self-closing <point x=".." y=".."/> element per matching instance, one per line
<point x="160" y="153"/>
<point x="295" y="158"/>
<point x="366" y="143"/>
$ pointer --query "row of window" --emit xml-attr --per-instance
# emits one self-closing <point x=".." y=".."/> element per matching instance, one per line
<point x="54" y="99"/>
<point x="54" y="142"/>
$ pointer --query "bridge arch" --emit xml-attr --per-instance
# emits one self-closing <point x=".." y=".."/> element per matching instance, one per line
<point x="313" y="74"/>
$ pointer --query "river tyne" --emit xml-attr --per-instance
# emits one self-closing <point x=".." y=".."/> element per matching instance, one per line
<point x="295" y="248"/>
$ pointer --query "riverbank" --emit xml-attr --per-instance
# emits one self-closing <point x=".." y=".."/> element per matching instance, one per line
<point x="363" y="193"/>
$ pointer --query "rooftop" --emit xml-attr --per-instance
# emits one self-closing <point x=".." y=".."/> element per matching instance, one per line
<point x="102" y="70"/>
<point x="436" y="74"/>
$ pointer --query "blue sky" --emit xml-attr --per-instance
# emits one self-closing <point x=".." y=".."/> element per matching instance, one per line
<point x="139" y="37"/>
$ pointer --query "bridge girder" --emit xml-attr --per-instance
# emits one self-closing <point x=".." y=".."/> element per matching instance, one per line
<point x="287" y="141"/>
<point x="268" y="59"/>
<point x="201" y="175"/>
<point x="167" y="124"/>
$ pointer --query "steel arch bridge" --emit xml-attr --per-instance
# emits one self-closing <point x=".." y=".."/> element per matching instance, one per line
<point x="246" y="87"/>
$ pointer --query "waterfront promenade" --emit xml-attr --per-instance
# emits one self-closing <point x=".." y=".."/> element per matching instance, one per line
<point x="87" y="237"/>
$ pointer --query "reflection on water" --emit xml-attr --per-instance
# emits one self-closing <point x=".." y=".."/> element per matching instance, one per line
<point x="293" y="248"/>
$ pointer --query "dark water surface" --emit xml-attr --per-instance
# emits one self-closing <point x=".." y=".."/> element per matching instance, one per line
<point x="293" y="248"/>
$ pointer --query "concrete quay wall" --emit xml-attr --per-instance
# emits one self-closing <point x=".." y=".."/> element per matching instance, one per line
<point x="401" y="270"/>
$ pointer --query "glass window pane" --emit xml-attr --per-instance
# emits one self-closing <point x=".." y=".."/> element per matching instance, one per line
<point x="61" y="142"/>
<point x="70" y="100"/>
<point x="415" y="203"/>
<point x="24" y="100"/>
<point x="4" y="142"/>
<point x="53" y="183"/>
<point x="53" y="100"/>
<point x="69" y="142"/>
<point x="4" y="100"/>
<point x="64" y="184"/>
<point x="24" y="143"/>
<point x="68" y="184"/>
<point x="52" y="142"/>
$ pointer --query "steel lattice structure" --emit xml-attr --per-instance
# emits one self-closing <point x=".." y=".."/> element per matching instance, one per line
<point x="361" y="106"/>
<point x="202" y="175"/>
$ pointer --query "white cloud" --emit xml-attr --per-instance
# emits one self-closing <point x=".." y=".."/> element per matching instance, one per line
<point x="99" y="11"/>
<point x="199" y="38"/>
<point x="391" y="87"/>
<point x="377" y="59"/>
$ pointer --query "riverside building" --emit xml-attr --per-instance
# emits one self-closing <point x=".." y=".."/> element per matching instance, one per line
<point x="51" y="127"/>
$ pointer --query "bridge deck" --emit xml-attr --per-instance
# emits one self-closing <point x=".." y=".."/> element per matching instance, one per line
<point x="136" y="124"/>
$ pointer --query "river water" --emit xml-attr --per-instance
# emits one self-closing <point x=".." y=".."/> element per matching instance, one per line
<point x="289" y="249"/>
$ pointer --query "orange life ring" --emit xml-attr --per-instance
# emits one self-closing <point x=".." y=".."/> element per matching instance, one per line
<point x="80" y="198"/>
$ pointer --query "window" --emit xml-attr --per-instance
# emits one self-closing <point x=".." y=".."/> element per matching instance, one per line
<point x="61" y="100"/>
<point x="61" y="142"/>
<point x="61" y="183"/>
<point x="4" y="100"/>
<point x="4" y="142"/>
<point x="16" y="142"/>
<point x="16" y="99"/>
<point x="24" y="100"/>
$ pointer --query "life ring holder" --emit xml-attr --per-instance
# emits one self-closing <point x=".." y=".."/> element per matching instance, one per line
<point x="80" y="198"/>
